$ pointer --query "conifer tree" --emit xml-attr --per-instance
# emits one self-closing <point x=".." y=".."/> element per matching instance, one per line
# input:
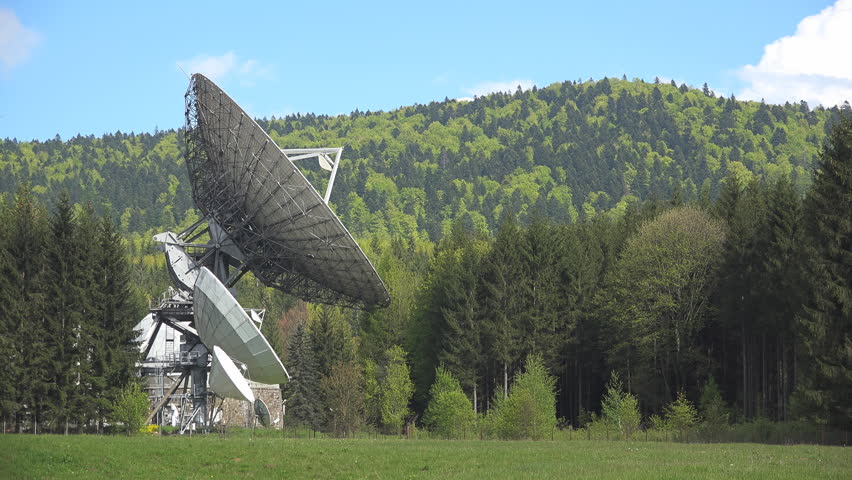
<point x="499" y="304"/>
<point x="64" y="313"/>
<point x="91" y="371"/>
<point x="783" y="292"/>
<point x="331" y="339"/>
<point x="302" y="392"/>
<point x="742" y="207"/>
<point x="8" y="379"/>
<point x="115" y="351"/>
<point x="29" y="366"/>
<point x="539" y="323"/>
<point x="271" y="330"/>
<point x="827" y="320"/>
<point x="462" y="338"/>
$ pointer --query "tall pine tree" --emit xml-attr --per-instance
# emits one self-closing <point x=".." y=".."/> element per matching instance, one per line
<point x="302" y="392"/>
<point x="116" y="312"/>
<point x="64" y="311"/>
<point x="499" y="304"/>
<point x="29" y="363"/>
<point x="827" y="321"/>
<point x="8" y="378"/>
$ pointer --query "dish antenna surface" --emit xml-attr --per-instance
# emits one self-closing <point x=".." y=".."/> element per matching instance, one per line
<point x="262" y="412"/>
<point x="260" y="215"/>
<point x="284" y="230"/>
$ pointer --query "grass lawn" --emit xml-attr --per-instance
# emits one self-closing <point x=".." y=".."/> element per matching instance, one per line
<point x="172" y="457"/>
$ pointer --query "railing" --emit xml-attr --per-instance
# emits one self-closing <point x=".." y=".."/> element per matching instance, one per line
<point x="176" y="358"/>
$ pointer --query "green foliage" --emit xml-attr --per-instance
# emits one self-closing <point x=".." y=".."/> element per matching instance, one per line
<point x="396" y="390"/>
<point x="530" y="409"/>
<point x="606" y="255"/>
<point x="372" y="393"/>
<point x="681" y="415"/>
<point x="619" y="408"/>
<point x="564" y="149"/>
<point x="827" y="320"/>
<point x="67" y="316"/>
<point x="714" y="411"/>
<point x="343" y="390"/>
<point x="331" y="338"/>
<point x="450" y="413"/>
<point x="302" y="392"/>
<point x="658" y="296"/>
<point x="130" y="408"/>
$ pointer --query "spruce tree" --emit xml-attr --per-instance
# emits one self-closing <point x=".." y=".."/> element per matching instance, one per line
<point x="827" y="320"/>
<point x="783" y="292"/>
<point x="499" y="303"/>
<point x="740" y="280"/>
<point x="91" y="370"/>
<point x="64" y="313"/>
<point x="331" y="339"/>
<point x="302" y="392"/>
<point x="8" y="377"/>
<point x="462" y="340"/>
<point x="115" y="350"/>
<point x="29" y="364"/>
<point x="539" y="321"/>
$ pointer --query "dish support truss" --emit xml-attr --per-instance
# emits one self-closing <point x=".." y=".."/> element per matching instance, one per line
<point x="187" y="366"/>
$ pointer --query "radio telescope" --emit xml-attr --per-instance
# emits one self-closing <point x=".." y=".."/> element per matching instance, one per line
<point x="260" y="215"/>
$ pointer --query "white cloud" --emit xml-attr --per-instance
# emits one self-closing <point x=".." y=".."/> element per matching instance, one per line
<point x="492" y="87"/>
<point x="812" y="64"/>
<point x="225" y="66"/>
<point x="16" y="41"/>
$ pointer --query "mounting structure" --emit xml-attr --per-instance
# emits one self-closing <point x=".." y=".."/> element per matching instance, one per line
<point x="260" y="215"/>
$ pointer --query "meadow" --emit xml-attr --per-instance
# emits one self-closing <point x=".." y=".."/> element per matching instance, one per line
<point x="241" y="456"/>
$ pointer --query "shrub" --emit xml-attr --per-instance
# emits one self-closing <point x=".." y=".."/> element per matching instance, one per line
<point x="396" y="390"/>
<point x="681" y="415"/>
<point x="714" y="411"/>
<point x="344" y="395"/>
<point x="131" y="408"/>
<point x="530" y="409"/>
<point x="619" y="408"/>
<point x="449" y="413"/>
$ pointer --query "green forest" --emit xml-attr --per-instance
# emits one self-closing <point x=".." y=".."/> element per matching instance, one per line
<point x="607" y="239"/>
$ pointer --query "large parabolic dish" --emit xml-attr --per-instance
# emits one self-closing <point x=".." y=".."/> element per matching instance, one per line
<point x="289" y="237"/>
<point x="222" y="322"/>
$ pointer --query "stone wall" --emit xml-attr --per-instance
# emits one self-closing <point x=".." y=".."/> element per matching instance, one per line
<point x="237" y="413"/>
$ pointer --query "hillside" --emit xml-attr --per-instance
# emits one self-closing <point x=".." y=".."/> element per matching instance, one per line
<point x="627" y="254"/>
<point x="570" y="149"/>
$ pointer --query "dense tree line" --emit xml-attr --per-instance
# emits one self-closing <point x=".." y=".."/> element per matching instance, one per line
<point x="678" y="239"/>
<point x="746" y="295"/>
<point x="66" y="316"/>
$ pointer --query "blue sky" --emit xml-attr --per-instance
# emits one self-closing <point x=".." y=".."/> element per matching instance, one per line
<point x="97" y="67"/>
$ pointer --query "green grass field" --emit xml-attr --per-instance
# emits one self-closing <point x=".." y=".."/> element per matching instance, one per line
<point x="173" y="457"/>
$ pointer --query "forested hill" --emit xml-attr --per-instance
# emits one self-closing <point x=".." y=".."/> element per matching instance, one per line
<point x="570" y="149"/>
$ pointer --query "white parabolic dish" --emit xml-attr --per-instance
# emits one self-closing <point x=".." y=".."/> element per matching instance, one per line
<point x="221" y="321"/>
<point x="225" y="378"/>
<point x="262" y="412"/>
<point x="182" y="268"/>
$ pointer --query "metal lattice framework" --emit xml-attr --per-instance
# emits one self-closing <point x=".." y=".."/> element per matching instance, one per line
<point x="289" y="237"/>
